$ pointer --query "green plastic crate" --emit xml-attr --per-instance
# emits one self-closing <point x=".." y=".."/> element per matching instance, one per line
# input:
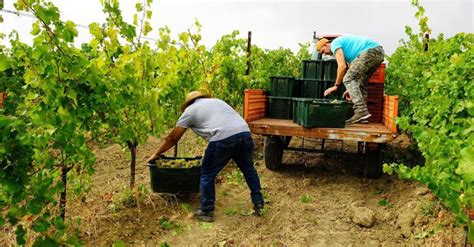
<point x="312" y="69"/>
<point x="294" y="109"/>
<point x="349" y="109"/>
<point x="330" y="69"/>
<point x="282" y="86"/>
<point x="297" y="88"/>
<point x="300" y="107"/>
<point x="336" y="95"/>
<point x="280" y="107"/>
<point x="321" y="113"/>
<point x="311" y="88"/>
<point x="297" y="108"/>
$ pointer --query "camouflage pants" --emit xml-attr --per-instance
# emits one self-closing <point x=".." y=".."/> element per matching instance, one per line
<point x="358" y="74"/>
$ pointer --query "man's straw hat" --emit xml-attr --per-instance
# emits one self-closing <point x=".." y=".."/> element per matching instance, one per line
<point x="191" y="97"/>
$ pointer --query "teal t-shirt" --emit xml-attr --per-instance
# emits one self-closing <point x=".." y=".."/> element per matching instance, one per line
<point x="352" y="46"/>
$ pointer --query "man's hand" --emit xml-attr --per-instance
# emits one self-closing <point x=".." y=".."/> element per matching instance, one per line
<point x="152" y="158"/>
<point x="346" y="95"/>
<point x="170" y="140"/>
<point x="330" y="90"/>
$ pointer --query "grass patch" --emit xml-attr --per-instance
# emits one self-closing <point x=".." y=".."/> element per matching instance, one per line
<point x="230" y="211"/>
<point x="235" y="177"/>
<point x="224" y="193"/>
<point x="431" y="208"/>
<point x="205" y="225"/>
<point x="167" y="224"/>
<point x="186" y="207"/>
<point x="306" y="198"/>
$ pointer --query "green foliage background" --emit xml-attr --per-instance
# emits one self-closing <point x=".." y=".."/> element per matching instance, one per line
<point x="434" y="79"/>
<point x="116" y="88"/>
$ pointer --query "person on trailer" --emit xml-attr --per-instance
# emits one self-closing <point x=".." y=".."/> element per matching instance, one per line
<point x="229" y="138"/>
<point x="364" y="56"/>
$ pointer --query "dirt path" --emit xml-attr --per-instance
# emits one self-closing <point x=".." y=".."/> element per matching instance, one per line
<point x="313" y="201"/>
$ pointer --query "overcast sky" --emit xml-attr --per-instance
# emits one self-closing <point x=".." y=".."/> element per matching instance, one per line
<point x="273" y="23"/>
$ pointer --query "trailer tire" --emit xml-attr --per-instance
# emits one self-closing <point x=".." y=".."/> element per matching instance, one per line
<point x="373" y="164"/>
<point x="273" y="152"/>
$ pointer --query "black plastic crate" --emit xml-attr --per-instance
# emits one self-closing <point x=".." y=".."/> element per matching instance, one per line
<point x="321" y="113"/>
<point x="312" y="69"/>
<point x="280" y="107"/>
<point x="283" y="86"/>
<point x="330" y="69"/>
<point x="175" y="180"/>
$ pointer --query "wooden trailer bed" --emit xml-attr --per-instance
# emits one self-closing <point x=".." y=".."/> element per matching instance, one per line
<point x="255" y="108"/>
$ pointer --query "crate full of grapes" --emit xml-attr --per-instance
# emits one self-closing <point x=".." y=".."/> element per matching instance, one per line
<point x="175" y="175"/>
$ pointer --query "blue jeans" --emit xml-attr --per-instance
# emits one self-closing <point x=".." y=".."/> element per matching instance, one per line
<point x="239" y="148"/>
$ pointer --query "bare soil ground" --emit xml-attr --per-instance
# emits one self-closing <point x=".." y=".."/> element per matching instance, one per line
<point x="314" y="201"/>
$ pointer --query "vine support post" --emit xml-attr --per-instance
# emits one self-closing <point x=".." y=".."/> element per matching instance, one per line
<point x="425" y="41"/>
<point x="176" y="150"/>
<point x="62" y="199"/>
<point x="249" y="46"/>
<point x="132" y="146"/>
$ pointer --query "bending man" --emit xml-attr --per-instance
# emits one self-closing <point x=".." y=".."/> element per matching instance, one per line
<point x="364" y="56"/>
<point x="229" y="138"/>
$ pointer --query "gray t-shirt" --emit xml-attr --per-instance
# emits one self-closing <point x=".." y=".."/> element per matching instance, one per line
<point x="212" y="119"/>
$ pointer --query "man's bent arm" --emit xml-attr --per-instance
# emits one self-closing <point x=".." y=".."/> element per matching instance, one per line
<point x="341" y="66"/>
<point x="170" y="140"/>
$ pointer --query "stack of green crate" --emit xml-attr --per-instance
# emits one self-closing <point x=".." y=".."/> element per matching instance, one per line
<point x="313" y="109"/>
<point x="313" y="69"/>
<point x="317" y="76"/>
<point x="312" y="78"/>
<point x="336" y="95"/>
<point x="280" y="107"/>
<point x="303" y="99"/>
<point x="329" y="79"/>
<point x="330" y="70"/>
<point x="283" y="88"/>
<point x="311" y="82"/>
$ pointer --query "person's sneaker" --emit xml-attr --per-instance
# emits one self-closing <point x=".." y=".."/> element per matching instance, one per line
<point x="204" y="216"/>
<point x="358" y="117"/>
<point x="259" y="209"/>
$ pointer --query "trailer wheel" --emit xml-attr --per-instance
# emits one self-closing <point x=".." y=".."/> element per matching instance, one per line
<point x="273" y="152"/>
<point x="373" y="162"/>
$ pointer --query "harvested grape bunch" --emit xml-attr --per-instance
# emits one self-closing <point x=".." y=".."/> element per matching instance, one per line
<point x="178" y="163"/>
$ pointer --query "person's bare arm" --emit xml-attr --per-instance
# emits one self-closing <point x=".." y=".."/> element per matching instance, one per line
<point x="170" y="140"/>
<point x="341" y="66"/>
<point x="341" y="71"/>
